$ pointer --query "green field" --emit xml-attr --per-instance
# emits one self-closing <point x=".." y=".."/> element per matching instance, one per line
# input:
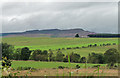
<point x="45" y="43"/>
<point x="85" y="51"/>
<point x="41" y="65"/>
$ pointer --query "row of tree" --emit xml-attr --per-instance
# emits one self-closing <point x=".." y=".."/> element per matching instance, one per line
<point x="104" y="35"/>
<point x="110" y="56"/>
<point x="16" y="54"/>
<point x="88" y="46"/>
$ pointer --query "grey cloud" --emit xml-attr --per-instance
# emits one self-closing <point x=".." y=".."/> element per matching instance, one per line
<point x="97" y="17"/>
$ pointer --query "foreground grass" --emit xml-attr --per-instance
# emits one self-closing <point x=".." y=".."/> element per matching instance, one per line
<point x="60" y="72"/>
<point x="41" y="65"/>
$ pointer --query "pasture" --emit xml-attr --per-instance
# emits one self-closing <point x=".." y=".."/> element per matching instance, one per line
<point x="45" y="43"/>
<point x="42" y="65"/>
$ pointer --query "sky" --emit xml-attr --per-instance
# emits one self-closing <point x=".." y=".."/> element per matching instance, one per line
<point x="100" y="17"/>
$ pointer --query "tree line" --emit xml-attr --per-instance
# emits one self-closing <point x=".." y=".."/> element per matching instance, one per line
<point x="104" y="35"/>
<point x="110" y="57"/>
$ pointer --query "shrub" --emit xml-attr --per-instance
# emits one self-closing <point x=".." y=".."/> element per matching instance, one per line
<point x="74" y="57"/>
<point x="76" y="47"/>
<point x="7" y="50"/>
<point x="50" y="50"/>
<point x="84" y="47"/>
<point x="90" y="45"/>
<point x="69" y="48"/>
<point x="104" y="45"/>
<point x="6" y="63"/>
<point x="25" y="53"/>
<point x="60" y="56"/>
<point x="96" y="58"/>
<point x="111" y="56"/>
<point x="77" y="66"/>
<point x="95" y="45"/>
<point x="77" y="35"/>
<point x="83" y="60"/>
<point x="17" y="54"/>
<point x="50" y="54"/>
<point x="63" y="48"/>
<point x="114" y="43"/>
<point x="45" y="52"/>
<point x="65" y="59"/>
<point x="61" y="67"/>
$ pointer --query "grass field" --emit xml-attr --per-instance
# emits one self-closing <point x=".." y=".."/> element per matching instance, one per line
<point x="41" y="65"/>
<point x="85" y="51"/>
<point x="54" y="43"/>
<point x="44" y="43"/>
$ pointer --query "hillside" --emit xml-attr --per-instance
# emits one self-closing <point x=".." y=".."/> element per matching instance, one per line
<point x="50" y="33"/>
<point x="55" y="43"/>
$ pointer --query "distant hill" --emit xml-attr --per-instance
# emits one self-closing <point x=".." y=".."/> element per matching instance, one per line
<point x="50" y="33"/>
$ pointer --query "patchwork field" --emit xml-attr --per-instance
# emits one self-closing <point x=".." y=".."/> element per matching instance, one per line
<point x="59" y="43"/>
<point x="45" y="43"/>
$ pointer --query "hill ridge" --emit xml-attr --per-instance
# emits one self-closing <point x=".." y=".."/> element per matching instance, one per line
<point x="50" y="33"/>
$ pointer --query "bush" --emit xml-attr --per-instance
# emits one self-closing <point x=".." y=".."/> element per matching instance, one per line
<point x="96" y="58"/>
<point x="60" y="56"/>
<point x="114" y="43"/>
<point x="90" y="45"/>
<point x="25" y="53"/>
<point x="76" y="47"/>
<point x="6" y="63"/>
<point x="74" y="57"/>
<point x="84" y="47"/>
<point x="95" y="45"/>
<point x="111" y="56"/>
<point x="69" y="48"/>
<point x="77" y="35"/>
<point x="83" y="60"/>
<point x="65" y="59"/>
<point x="7" y="50"/>
<point x="63" y="48"/>
<point x="50" y="50"/>
<point x="45" y="52"/>
<point x="104" y="45"/>
<point x="77" y="66"/>
<point x="61" y="67"/>
<point x="17" y="54"/>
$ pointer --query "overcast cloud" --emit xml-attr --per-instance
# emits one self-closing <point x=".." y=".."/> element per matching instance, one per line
<point x="93" y="16"/>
